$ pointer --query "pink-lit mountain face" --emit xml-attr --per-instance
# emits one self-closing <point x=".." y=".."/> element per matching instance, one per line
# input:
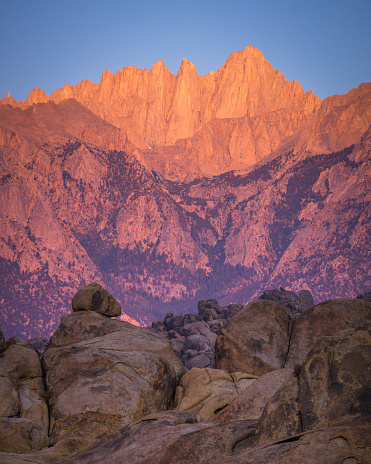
<point x="170" y="189"/>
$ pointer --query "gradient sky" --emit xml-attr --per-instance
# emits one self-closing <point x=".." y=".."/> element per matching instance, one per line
<point x="325" y="45"/>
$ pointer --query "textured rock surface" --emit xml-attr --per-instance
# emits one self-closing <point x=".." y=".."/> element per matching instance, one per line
<point x="325" y="319"/>
<point x="94" y="297"/>
<point x="160" y="440"/>
<point x="193" y="336"/>
<point x="332" y="389"/>
<point x="256" y="339"/>
<point x="112" y="374"/>
<point x="205" y="391"/>
<point x="281" y="417"/>
<point x="335" y="382"/>
<point x="296" y="304"/>
<point x="105" y="375"/>
<point x="250" y="403"/>
<point x="347" y="445"/>
<point x="24" y="418"/>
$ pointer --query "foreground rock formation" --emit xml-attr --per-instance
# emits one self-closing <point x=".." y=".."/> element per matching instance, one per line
<point x="119" y="393"/>
<point x="193" y="336"/>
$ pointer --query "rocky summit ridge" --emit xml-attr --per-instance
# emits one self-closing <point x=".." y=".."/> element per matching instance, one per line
<point x="231" y="118"/>
<point x="168" y="190"/>
<point x="283" y="390"/>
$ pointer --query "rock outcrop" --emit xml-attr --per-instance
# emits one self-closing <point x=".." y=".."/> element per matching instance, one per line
<point x="332" y="389"/>
<point x="91" y="359"/>
<point x="296" y="304"/>
<point x="24" y="418"/>
<point x="205" y="391"/>
<point x="111" y="390"/>
<point x="193" y="336"/>
<point x="256" y="339"/>
<point x="250" y="403"/>
<point x="326" y="319"/>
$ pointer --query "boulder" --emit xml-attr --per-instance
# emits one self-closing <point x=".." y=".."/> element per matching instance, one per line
<point x="76" y="327"/>
<point x="205" y="391"/>
<point x="209" y="310"/>
<point x="194" y="342"/>
<point x="331" y="389"/>
<point x="335" y="382"/>
<point x="251" y="402"/>
<point x="20" y="341"/>
<point x="281" y="417"/>
<point x="255" y="340"/>
<point x="296" y="304"/>
<point x="113" y="374"/>
<point x="325" y="319"/>
<point x="206" y="324"/>
<point x="24" y="419"/>
<point x="158" y="439"/>
<point x="94" y="297"/>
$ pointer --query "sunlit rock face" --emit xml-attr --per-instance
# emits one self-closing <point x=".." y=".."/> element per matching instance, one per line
<point x="170" y="189"/>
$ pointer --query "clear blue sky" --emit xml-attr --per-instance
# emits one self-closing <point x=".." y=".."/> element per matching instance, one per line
<point x="325" y="45"/>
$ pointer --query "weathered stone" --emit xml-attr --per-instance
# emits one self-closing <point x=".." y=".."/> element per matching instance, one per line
<point x="178" y="346"/>
<point x="331" y="389"/>
<point x="281" y="417"/>
<point x="204" y="391"/>
<point x="294" y="303"/>
<point x="9" y="400"/>
<point x="23" y="410"/>
<point x="250" y="403"/>
<point x="243" y="380"/>
<point x="94" y="297"/>
<point x="325" y="319"/>
<point x="201" y="360"/>
<point x="15" y="435"/>
<point x="174" y="322"/>
<point x="20" y="341"/>
<point x="19" y="361"/>
<point x="196" y="342"/>
<point x="255" y="340"/>
<point x="196" y="332"/>
<point x="158" y="441"/>
<point x="335" y="382"/>
<point x="101" y="384"/>
<point x="345" y="445"/>
<point x="81" y="326"/>
<point x="209" y="310"/>
<point x="217" y="325"/>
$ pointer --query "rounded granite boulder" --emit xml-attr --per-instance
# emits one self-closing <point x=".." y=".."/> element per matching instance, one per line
<point x="94" y="297"/>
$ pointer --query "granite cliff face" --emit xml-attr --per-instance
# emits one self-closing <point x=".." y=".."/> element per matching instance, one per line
<point x="171" y="189"/>
<point x="189" y="125"/>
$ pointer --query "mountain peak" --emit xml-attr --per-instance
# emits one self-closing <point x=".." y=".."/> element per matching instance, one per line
<point x="186" y="66"/>
<point x="37" y="95"/>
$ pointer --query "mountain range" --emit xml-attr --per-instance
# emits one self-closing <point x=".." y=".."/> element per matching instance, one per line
<point x="170" y="189"/>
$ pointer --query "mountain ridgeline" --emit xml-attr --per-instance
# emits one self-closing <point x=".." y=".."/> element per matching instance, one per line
<point x="170" y="189"/>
